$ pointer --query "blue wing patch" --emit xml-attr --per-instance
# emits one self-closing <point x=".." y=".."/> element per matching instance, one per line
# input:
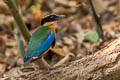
<point x="43" y="47"/>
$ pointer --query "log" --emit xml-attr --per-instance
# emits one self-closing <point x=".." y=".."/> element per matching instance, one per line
<point x="102" y="65"/>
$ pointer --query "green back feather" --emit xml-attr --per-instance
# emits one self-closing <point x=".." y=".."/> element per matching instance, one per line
<point x="37" y="38"/>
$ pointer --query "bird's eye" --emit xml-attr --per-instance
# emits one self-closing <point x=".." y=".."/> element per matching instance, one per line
<point x="51" y="16"/>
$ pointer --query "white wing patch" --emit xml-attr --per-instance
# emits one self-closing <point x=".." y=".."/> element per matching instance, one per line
<point x="34" y="57"/>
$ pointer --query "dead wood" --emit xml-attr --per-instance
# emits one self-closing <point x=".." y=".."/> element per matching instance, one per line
<point x="103" y="65"/>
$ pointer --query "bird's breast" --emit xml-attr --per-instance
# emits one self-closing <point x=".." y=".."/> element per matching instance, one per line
<point x="52" y="28"/>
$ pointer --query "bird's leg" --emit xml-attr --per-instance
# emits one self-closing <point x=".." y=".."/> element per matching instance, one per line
<point x="36" y="67"/>
<point x="39" y="64"/>
<point x="42" y="63"/>
<point x="46" y="64"/>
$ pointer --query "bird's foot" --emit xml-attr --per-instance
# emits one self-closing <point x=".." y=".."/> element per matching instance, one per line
<point x="50" y="68"/>
<point x="36" y="67"/>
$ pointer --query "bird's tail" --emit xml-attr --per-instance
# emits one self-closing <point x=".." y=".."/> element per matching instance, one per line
<point x="26" y="59"/>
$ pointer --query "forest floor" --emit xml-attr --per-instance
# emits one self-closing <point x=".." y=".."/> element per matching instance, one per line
<point x="71" y="32"/>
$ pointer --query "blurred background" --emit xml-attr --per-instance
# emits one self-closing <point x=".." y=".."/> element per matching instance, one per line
<point x="75" y="34"/>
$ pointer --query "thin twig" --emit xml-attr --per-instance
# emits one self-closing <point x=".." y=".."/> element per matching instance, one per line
<point x="97" y="20"/>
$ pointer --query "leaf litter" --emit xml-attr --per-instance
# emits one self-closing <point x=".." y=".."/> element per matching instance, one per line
<point x="70" y="32"/>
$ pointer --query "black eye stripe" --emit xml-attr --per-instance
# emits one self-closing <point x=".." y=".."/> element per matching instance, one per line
<point x="51" y="16"/>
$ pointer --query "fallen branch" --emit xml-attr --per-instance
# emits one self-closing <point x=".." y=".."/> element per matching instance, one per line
<point x="103" y="65"/>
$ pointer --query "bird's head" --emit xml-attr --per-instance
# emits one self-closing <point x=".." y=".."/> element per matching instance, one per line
<point x="51" y="18"/>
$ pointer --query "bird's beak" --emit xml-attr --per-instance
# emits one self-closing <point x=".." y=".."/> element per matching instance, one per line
<point x="60" y="17"/>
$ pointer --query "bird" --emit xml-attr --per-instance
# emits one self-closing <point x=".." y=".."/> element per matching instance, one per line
<point x="42" y="39"/>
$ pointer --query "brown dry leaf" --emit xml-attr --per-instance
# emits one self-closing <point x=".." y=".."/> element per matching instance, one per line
<point x="99" y="6"/>
<point x="24" y="4"/>
<point x="66" y="3"/>
<point x="81" y="1"/>
<point x="62" y="10"/>
<point x="87" y="22"/>
<point x="37" y="15"/>
<point x="67" y="41"/>
<point x="6" y="22"/>
<point x="11" y="61"/>
<point x="10" y="42"/>
<point x="118" y="8"/>
<point x="2" y="44"/>
<point x="3" y="8"/>
<point x="6" y="78"/>
<point x="19" y="61"/>
<point x="113" y="28"/>
<point x="14" y="72"/>
<point x="65" y="50"/>
<point x="59" y="43"/>
<point x="59" y="52"/>
<point x="41" y="1"/>
<point x="19" y="72"/>
<point x="79" y="37"/>
<point x="2" y="60"/>
<point x="9" y="52"/>
<point x="3" y="68"/>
